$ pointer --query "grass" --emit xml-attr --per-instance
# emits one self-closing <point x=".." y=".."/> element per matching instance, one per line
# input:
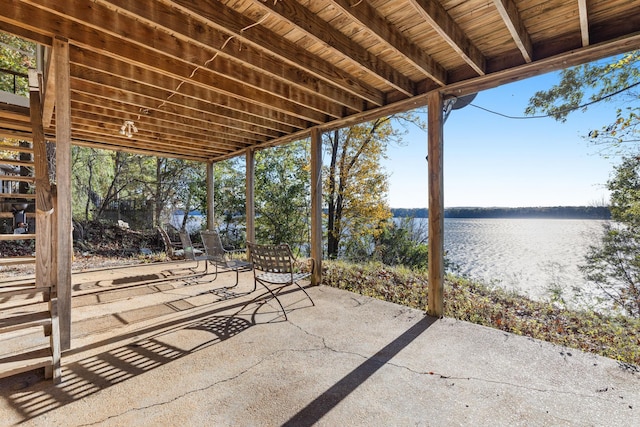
<point x="613" y="336"/>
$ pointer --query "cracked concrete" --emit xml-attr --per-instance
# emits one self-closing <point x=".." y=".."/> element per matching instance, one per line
<point x="347" y="361"/>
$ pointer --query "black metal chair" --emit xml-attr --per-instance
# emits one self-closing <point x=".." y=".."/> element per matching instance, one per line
<point x="274" y="265"/>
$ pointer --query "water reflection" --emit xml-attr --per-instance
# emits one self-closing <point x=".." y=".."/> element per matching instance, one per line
<point x="530" y="256"/>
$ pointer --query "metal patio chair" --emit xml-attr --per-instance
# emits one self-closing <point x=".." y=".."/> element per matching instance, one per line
<point x="172" y="249"/>
<point x="193" y="254"/>
<point x="221" y="257"/>
<point x="275" y="266"/>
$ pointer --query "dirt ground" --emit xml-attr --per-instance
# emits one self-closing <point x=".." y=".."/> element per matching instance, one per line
<point x="95" y="245"/>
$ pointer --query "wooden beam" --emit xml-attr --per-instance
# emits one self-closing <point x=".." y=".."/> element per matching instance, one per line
<point x="134" y="105"/>
<point x="45" y="273"/>
<point x="199" y="139"/>
<point x="63" y="181"/>
<point x="240" y="100"/>
<point x="466" y="87"/>
<point x="176" y="35"/>
<point x="211" y="217"/>
<point x="439" y="19"/>
<point x="509" y="13"/>
<point x="117" y="145"/>
<point x="436" y="205"/>
<point x="43" y="196"/>
<point x="584" y="21"/>
<point x="368" y="18"/>
<point x="200" y="122"/>
<point x="298" y="15"/>
<point x="316" y="204"/>
<point x="49" y="91"/>
<point x="196" y="21"/>
<point x="561" y="61"/>
<point x="180" y="104"/>
<point x="248" y="33"/>
<point x="237" y="82"/>
<point x="250" y="194"/>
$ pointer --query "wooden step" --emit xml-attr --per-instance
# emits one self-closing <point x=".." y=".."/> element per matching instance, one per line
<point x="25" y="321"/>
<point x="17" y="148"/>
<point x="16" y="196"/>
<point x="19" y="178"/>
<point x="17" y="260"/>
<point x="24" y="362"/>
<point x="14" y="162"/>
<point x="10" y="215"/>
<point x="24" y="236"/>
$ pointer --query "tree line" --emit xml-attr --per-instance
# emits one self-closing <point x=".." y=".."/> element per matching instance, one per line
<point x="555" y="212"/>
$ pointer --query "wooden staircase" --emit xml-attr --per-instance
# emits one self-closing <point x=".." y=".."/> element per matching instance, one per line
<point x="29" y="326"/>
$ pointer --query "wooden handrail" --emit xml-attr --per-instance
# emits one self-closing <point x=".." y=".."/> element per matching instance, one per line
<point x="15" y="74"/>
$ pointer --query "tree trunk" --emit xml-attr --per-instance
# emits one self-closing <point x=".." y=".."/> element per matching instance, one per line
<point x="332" y="238"/>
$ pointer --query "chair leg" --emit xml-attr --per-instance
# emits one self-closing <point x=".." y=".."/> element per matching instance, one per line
<point x="305" y="292"/>
<point x="276" y="298"/>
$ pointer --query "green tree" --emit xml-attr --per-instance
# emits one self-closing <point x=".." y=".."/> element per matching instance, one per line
<point x="614" y="79"/>
<point x="105" y="180"/>
<point x="176" y="183"/>
<point x="356" y="186"/>
<point x="402" y="243"/>
<point x="230" y="201"/>
<point x="614" y="264"/>
<point x="16" y="55"/>
<point x="282" y="194"/>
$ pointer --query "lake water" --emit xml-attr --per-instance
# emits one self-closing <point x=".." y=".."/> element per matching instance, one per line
<point x="529" y="256"/>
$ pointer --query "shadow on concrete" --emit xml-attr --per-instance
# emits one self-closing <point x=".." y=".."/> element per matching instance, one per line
<point x="34" y="397"/>
<point x="321" y="405"/>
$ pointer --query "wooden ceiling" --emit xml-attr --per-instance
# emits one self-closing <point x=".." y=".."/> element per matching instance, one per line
<point x="205" y="80"/>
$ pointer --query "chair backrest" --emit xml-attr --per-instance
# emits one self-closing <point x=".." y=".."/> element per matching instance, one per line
<point x="168" y="246"/>
<point x="187" y="246"/>
<point x="271" y="258"/>
<point x="213" y="245"/>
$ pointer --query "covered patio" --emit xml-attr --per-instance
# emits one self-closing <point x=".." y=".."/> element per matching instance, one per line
<point x="175" y="353"/>
<point x="209" y="81"/>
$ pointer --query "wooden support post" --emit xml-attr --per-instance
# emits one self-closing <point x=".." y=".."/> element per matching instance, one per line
<point x="63" y="180"/>
<point x="55" y="370"/>
<point x="250" y="192"/>
<point x="436" y="205"/>
<point x="211" y="204"/>
<point x="316" y="204"/>
<point x="46" y="275"/>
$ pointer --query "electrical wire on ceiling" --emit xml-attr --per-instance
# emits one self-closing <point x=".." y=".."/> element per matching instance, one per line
<point x="195" y="70"/>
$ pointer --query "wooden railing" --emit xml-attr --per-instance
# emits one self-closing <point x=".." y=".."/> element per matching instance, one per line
<point x="16" y="75"/>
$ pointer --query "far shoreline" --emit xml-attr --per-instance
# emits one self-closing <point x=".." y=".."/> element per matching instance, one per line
<point x="554" y="212"/>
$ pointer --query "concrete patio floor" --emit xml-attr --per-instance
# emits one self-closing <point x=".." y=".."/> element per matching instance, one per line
<point x="173" y="353"/>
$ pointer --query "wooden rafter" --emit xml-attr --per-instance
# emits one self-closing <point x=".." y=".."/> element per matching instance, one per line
<point x="207" y="80"/>
<point x="299" y="16"/>
<point x="509" y="13"/>
<point x="368" y="18"/>
<point x="584" y="21"/>
<point x="451" y="33"/>
<point x="238" y="26"/>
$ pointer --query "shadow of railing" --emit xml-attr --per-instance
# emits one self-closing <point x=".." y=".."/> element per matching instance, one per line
<point x="97" y="372"/>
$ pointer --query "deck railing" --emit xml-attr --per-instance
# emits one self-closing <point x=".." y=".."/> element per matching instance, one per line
<point x="9" y="80"/>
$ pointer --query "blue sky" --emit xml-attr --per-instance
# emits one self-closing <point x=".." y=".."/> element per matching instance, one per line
<point x="491" y="160"/>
